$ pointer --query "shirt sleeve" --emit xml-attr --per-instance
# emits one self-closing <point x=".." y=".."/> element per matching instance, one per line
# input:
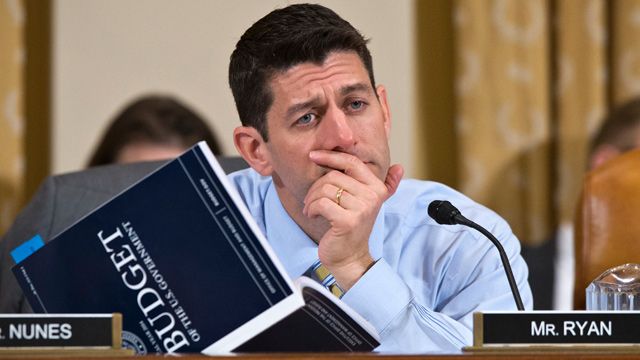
<point x="407" y="324"/>
<point x="382" y="298"/>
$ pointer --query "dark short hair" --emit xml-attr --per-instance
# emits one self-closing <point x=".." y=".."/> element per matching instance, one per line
<point x="280" y="40"/>
<point x="153" y="119"/>
<point x="620" y="127"/>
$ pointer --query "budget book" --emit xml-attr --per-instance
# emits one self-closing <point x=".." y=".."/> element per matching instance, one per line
<point x="180" y="256"/>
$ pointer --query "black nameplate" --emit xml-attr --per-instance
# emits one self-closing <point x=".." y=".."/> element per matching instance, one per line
<point x="552" y="327"/>
<point x="60" y="330"/>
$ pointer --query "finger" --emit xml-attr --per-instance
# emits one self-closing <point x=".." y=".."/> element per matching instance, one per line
<point x="392" y="181"/>
<point x="346" y="200"/>
<point x="347" y="163"/>
<point x="335" y="214"/>
<point x="330" y="182"/>
<point x="326" y="208"/>
<point x="324" y="190"/>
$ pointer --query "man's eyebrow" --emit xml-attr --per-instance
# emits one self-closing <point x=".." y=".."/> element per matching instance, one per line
<point x="295" y="108"/>
<point x="354" y="88"/>
<point x="315" y="101"/>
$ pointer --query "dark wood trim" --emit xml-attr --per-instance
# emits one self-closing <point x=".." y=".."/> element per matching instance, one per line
<point x="37" y="93"/>
<point x="435" y="138"/>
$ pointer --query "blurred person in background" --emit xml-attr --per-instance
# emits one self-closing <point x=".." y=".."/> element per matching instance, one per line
<point x="152" y="127"/>
<point x="619" y="132"/>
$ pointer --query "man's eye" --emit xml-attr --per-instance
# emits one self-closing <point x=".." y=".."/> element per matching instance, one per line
<point x="356" y="105"/>
<point x="306" y="119"/>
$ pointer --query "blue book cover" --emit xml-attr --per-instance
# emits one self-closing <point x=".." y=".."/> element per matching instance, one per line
<point x="179" y="255"/>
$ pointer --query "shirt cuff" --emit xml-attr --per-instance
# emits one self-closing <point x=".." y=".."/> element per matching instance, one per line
<point x="379" y="296"/>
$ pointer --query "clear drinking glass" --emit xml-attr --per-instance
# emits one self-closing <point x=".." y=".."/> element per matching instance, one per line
<point x="615" y="289"/>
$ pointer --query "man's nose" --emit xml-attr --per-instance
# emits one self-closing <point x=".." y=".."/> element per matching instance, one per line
<point x="337" y="132"/>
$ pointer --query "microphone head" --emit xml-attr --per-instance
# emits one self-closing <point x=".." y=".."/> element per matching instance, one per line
<point x="443" y="212"/>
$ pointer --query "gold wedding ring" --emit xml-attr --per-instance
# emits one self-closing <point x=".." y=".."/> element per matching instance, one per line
<point x="339" y="195"/>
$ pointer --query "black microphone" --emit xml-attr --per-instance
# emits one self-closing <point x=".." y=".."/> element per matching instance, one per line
<point x="444" y="213"/>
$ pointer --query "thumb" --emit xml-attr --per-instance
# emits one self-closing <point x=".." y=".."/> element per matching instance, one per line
<point x="394" y="175"/>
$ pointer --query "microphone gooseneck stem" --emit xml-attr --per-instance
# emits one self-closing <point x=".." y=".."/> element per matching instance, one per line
<point x="503" y="256"/>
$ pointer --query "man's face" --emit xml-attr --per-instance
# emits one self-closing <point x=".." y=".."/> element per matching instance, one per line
<point x="324" y="107"/>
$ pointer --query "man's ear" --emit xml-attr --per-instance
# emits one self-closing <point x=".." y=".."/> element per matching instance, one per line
<point x="253" y="149"/>
<point x="382" y="98"/>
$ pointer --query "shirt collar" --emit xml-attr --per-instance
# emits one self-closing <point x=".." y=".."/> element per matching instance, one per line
<point x="295" y="249"/>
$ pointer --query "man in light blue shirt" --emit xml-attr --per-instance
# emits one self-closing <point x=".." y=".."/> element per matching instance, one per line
<point x="315" y="131"/>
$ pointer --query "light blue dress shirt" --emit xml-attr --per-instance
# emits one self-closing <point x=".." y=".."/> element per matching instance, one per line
<point x="428" y="279"/>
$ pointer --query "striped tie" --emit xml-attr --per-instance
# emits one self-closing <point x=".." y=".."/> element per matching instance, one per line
<point x="319" y="273"/>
